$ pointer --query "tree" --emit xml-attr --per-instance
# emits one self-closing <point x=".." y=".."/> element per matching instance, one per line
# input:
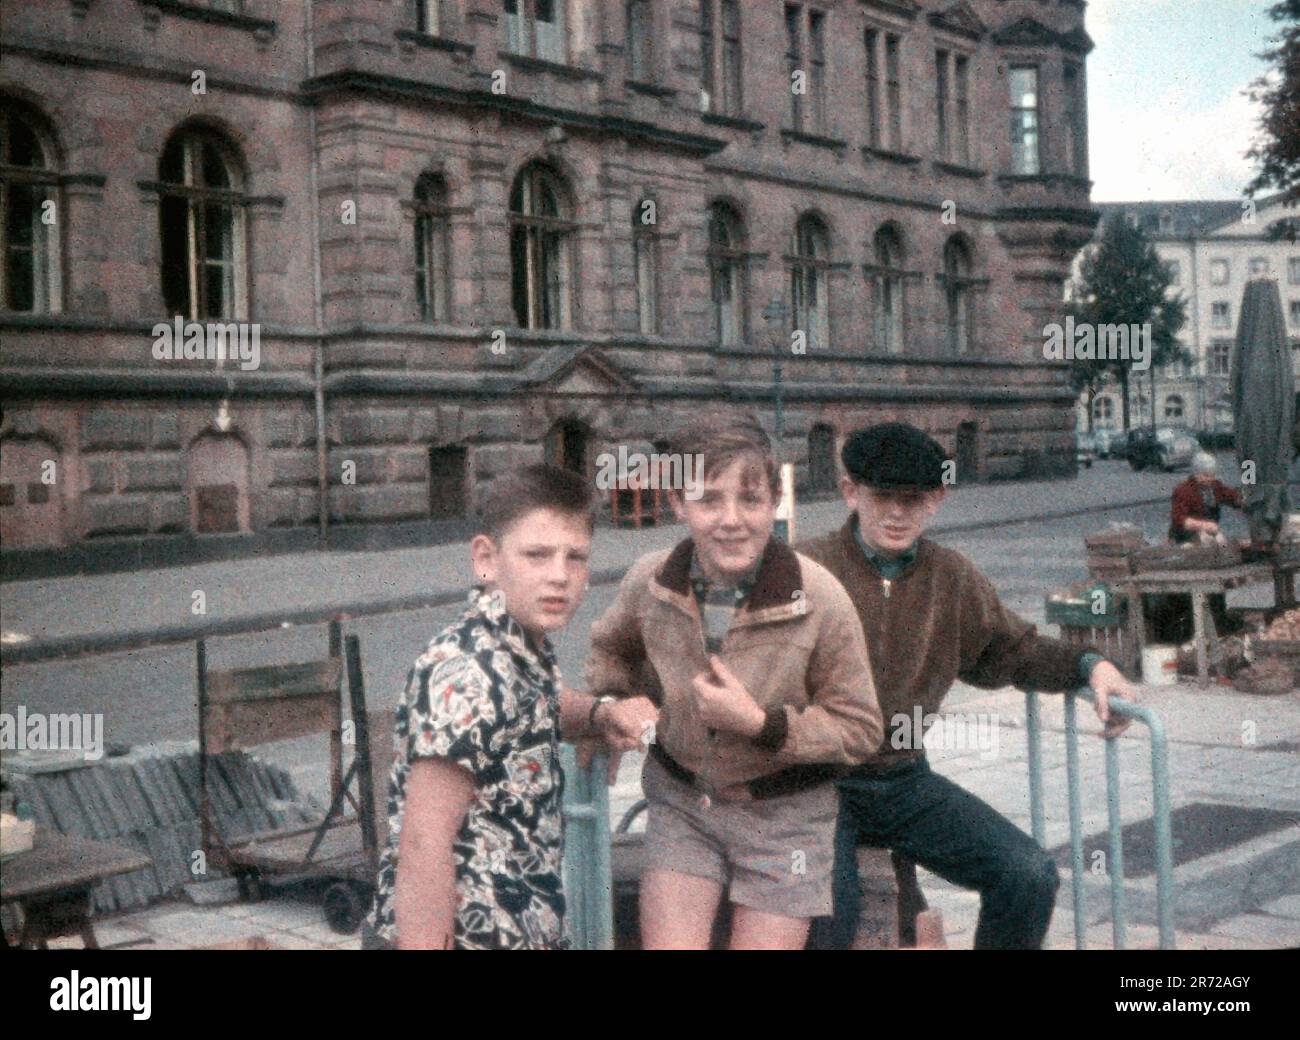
<point x="1277" y="145"/>
<point x="1122" y="281"/>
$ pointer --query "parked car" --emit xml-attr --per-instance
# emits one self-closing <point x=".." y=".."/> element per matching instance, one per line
<point x="1102" y="440"/>
<point x="1117" y="444"/>
<point x="1165" y="447"/>
<point x="1085" y="449"/>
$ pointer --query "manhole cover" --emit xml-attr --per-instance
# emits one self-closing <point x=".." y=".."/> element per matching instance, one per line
<point x="1198" y="829"/>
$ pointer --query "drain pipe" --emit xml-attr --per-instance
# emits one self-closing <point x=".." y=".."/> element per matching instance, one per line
<point x="318" y="306"/>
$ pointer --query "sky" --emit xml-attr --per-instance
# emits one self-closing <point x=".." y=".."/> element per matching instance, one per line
<point x="1167" y="115"/>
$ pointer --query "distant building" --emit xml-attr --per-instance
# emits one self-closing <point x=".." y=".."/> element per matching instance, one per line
<point x="1212" y="249"/>
<point x="475" y="233"/>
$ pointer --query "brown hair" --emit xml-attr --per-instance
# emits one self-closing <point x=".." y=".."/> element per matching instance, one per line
<point x="723" y="437"/>
<point x="538" y="486"/>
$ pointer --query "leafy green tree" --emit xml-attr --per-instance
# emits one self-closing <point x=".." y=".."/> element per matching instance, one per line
<point x="1122" y="281"/>
<point x="1277" y="145"/>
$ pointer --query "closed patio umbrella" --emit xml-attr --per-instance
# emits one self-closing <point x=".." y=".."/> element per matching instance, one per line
<point x="1263" y="403"/>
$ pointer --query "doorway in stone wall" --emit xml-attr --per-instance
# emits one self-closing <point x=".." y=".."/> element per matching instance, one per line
<point x="217" y="482"/>
<point x="31" y="493"/>
<point x="568" y="445"/>
<point x="448" y="482"/>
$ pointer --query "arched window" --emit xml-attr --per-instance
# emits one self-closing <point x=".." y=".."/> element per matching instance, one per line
<point x="431" y="247"/>
<point x="202" y="221"/>
<point x="540" y="253"/>
<point x="29" y="218"/>
<point x="1103" y="411"/>
<point x="645" y="255"/>
<point x="727" y="274"/>
<point x="887" y="249"/>
<point x="809" y="262"/>
<point x="957" y="282"/>
<point x="1173" y="407"/>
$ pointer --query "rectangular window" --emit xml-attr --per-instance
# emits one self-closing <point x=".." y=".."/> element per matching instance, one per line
<point x="1295" y="313"/>
<point x="792" y="65"/>
<point x="643" y="246"/>
<point x="731" y="100"/>
<point x="1221" y="357"/>
<point x="1221" y="315"/>
<point x="428" y="16"/>
<point x="941" y="99"/>
<point x="536" y="28"/>
<point x="893" y="93"/>
<point x="1218" y="272"/>
<point x="1293" y="270"/>
<point x="817" y="72"/>
<point x="707" y="101"/>
<point x="1260" y="267"/>
<point x="720" y="57"/>
<point x="640" y="33"/>
<point x="872" y="43"/>
<point x="1024" y="122"/>
<point x="961" y="76"/>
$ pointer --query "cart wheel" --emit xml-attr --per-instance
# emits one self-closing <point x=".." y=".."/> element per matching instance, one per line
<point x="343" y="909"/>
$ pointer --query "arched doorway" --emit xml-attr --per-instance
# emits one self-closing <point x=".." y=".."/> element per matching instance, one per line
<point x="968" y="453"/>
<point x="217" y="483"/>
<point x="31" y="502"/>
<point x="821" y="458"/>
<point x="568" y="445"/>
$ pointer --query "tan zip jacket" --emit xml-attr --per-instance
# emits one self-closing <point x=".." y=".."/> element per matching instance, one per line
<point x="797" y="643"/>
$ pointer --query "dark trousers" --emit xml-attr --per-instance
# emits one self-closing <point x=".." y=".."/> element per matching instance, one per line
<point x="930" y="820"/>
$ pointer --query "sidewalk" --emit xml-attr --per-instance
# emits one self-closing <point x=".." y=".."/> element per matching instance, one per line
<point x="1246" y="896"/>
<point x="111" y="608"/>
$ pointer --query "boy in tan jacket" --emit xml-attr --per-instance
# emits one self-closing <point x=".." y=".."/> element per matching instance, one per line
<point x="757" y="662"/>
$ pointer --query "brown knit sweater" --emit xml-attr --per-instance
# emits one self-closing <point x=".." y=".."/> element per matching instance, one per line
<point x="940" y="620"/>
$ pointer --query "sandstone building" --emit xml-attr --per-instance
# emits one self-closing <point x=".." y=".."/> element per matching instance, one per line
<point x="477" y="232"/>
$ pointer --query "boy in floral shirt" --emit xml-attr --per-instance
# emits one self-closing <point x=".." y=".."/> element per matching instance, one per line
<point x="475" y="829"/>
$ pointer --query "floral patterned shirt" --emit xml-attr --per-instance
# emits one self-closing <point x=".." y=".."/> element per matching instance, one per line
<point x="483" y="697"/>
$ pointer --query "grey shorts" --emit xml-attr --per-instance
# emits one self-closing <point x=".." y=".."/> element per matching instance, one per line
<point x="775" y="854"/>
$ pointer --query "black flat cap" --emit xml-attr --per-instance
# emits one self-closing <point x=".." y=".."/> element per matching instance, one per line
<point x="894" y="455"/>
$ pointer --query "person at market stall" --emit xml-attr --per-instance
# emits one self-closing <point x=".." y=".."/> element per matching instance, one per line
<point x="931" y="618"/>
<point x="1195" y="508"/>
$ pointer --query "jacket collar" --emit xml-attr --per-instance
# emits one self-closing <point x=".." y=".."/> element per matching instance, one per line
<point x="853" y="546"/>
<point x="777" y="591"/>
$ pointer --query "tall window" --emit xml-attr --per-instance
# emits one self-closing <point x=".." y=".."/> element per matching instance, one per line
<point x="431" y="247"/>
<point x="646" y="266"/>
<point x="1294" y="311"/>
<point x="1221" y="315"/>
<point x="640" y="36"/>
<point x="720" y="56"/>
<point x="1076" y="127"/>
<point x="871" y="41"/>
<point x="1024" y="121"/>
<point x="961" y="128"/>
<point x="957" y="286"/>
<point x="893" y="94"/>
<point x="1293" y="270"/>
<point x="727" y="274"/>
<point x="888" y="255"/>
<point x="941" y="98"/>
<point x="1221" y="357"/>
<point x="805" y="53"/>
<point x="428" y="16"/>
<point x="1103" y="411"/>
<point x="1219" y="272"/>
<point x="1173" y="408"/>
<point x="536" y="28"/>
<point x="809" y="264"/>
<point x="29" y="217"/>
<point x="202" y="227"/>
<point x="540" y="255"/>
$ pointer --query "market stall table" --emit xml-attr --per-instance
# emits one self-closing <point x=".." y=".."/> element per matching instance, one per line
<point x="1199" y="584"/>
<point x="51" y="883"/>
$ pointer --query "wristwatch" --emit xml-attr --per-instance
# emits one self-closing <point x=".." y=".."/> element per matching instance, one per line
<point x="604" y="698"/>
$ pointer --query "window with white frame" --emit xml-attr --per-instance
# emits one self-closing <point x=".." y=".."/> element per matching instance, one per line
<point x="431" y="247"/>
<point x="1024" y="121"/>
<point x="887" y="249"/>
<point x="809" y="267"/>
<point x="29" y="214"/>
<point x="720" y="79"/>
<point x="536" y="28"/>
<point x="1173" y="408"/>
<point x="727" y="274"/>
<point x="1221" y="315"/>
<point x="1221" y="357"/>
<point x="1219" y="271"/>
<point x="201" y="213"/>
<point x="541" y="230"/>
<point x="1103" y="411"/>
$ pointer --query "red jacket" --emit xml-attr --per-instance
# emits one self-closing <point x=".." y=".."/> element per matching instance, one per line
<point x="1188" y="505"/>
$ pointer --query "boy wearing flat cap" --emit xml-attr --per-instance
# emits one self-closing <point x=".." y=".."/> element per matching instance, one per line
<point x="930" y="618"/>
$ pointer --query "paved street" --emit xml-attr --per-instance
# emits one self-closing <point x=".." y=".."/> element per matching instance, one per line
<point x="148" y="695"/>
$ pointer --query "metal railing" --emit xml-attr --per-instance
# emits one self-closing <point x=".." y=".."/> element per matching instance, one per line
<point x="1115" y="863"/>
<point x="588" y="866"/>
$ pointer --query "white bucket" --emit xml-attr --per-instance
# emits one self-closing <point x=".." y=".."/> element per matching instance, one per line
<point x="1160" y="665"/>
